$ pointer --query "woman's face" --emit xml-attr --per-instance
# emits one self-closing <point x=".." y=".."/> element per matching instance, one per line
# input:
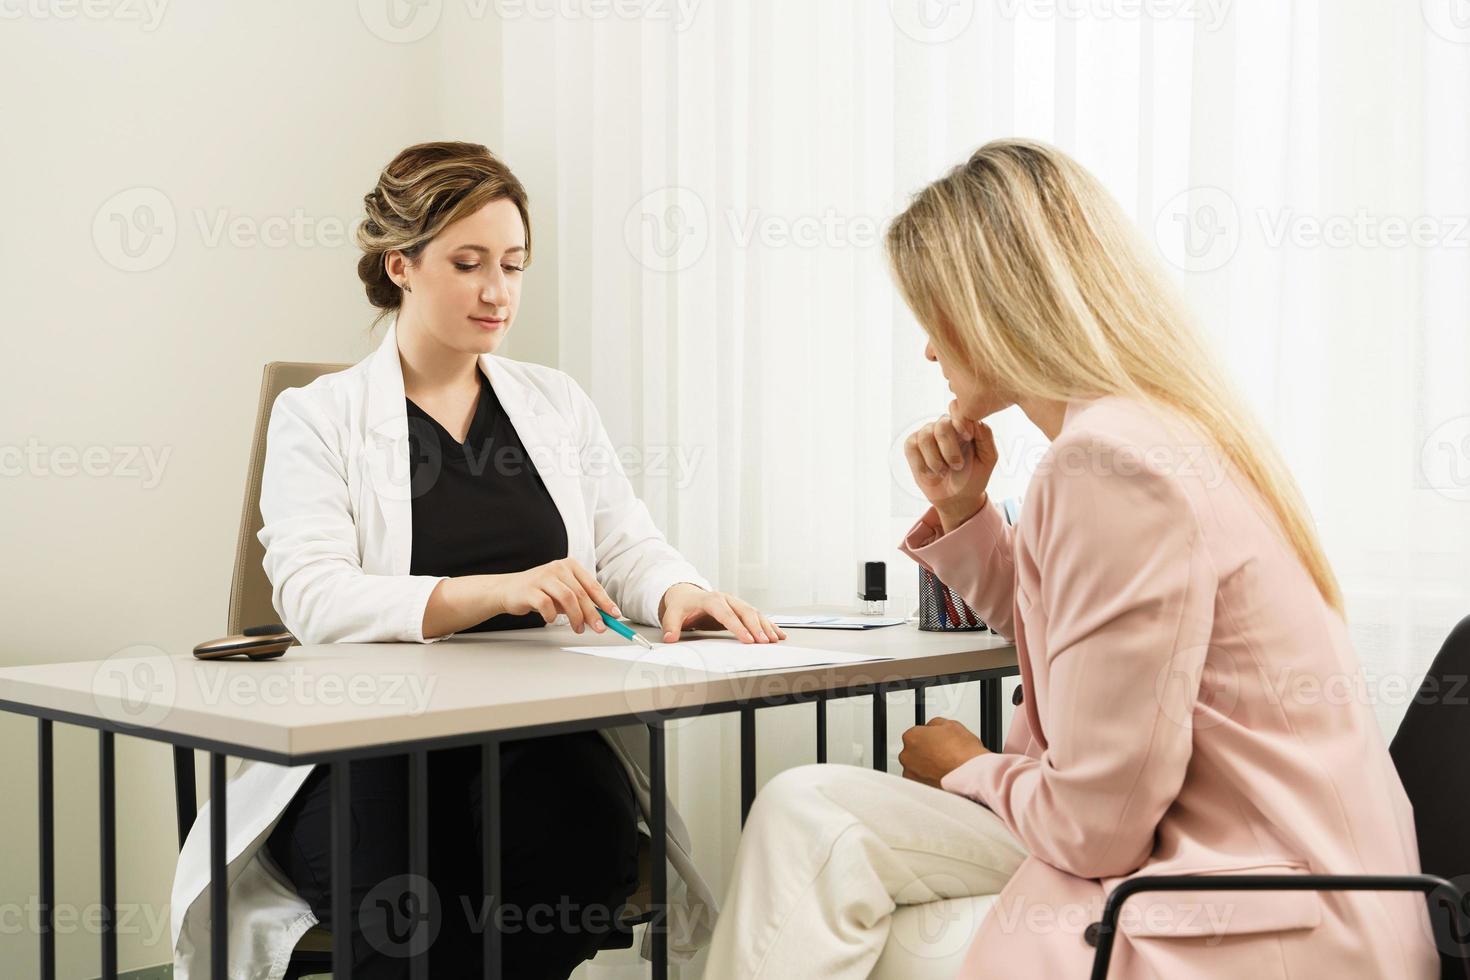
<point x="974" y="398"/>
<point x="467" y="281"/>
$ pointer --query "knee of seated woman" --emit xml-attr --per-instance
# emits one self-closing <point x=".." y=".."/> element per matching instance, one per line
<point x="791" y="790"/>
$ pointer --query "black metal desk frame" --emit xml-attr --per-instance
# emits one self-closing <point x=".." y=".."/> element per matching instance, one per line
<point x="417" y="752"/>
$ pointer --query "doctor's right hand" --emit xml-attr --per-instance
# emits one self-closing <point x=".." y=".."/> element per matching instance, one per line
<point x="952" y="459"/>
<point x="561" y="586"/>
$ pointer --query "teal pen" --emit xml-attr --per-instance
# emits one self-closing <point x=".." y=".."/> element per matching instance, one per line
<point x="622" y="630"/>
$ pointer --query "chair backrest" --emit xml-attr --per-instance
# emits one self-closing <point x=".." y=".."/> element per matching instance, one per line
<point x="1429" y="751"/>
<point x="250" y="590"/>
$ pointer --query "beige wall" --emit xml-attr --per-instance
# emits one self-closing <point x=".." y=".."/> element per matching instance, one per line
<point x="244" y="113"/>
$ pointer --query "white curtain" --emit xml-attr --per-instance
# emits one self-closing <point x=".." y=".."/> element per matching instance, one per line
<point x="711" y="183"/>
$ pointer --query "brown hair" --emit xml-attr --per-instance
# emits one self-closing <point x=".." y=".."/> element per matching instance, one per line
<point x="425" y="188"/>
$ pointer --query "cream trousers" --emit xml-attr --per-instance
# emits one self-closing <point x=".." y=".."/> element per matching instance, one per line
<point x="830" y="851"/>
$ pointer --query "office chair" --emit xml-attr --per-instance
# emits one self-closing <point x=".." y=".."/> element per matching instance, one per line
<point x="1428" y="753"/>
<point x="250" y="604"/>
<point x="931" y="940"/>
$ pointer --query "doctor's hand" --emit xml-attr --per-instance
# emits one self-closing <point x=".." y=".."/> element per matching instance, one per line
<point x="931" y="751"/>
<point x="687" y="606"/>
<point x="952" y="459"/>
<point x="561" y="586"/>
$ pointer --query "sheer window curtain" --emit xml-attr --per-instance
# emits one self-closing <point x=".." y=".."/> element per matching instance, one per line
<point x="711" y="180"/>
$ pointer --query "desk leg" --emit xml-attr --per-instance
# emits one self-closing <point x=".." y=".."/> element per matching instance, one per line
<point x="418" y="858"/>
<point x="342" y="921"/>
<point x="880" y="730"/>
<point x="219" y="887"/>
<point x="185" y="796"/>
<point x="490" y="852"/>
<point x="747" y="762"/>
<point x="108" y="796"/>
<point x="821" y="729"/>
<point x="658" y="830"/>
<point x="48" y="852"/>
<point x="990" y="714"/>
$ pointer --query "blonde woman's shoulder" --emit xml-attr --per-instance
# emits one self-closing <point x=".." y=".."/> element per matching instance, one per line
<point x="1121" y="436"/>
<point x="1124" y="421"/>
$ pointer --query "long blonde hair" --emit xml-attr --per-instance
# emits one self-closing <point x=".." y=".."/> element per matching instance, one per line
<point x="1020" y="266"/>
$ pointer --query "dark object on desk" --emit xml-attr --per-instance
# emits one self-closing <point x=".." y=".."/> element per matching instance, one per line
<point x="940" y="609"/>
<point x="255" y="642"/>
<point x="875" y="582"/>
<point x="874" y="587"/>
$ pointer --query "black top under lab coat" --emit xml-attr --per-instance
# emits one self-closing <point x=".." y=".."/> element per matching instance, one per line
<point x="479" y="508"/>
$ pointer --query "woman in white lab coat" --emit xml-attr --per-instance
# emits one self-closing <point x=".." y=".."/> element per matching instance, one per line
<point x="435" y="488"/>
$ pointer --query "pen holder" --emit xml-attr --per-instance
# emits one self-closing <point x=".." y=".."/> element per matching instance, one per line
<point x="941" y="609"/>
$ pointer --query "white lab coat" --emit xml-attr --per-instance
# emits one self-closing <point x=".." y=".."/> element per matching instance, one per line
<point x="337" y="532"/>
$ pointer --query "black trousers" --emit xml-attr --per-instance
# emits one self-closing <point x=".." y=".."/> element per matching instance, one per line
<point x="569" y="858"/>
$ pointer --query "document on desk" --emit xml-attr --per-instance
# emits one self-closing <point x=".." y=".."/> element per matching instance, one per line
<point x="725" y="656"/>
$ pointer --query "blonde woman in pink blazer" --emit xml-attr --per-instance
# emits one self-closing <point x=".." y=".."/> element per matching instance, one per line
<point x="1170" y="604"/>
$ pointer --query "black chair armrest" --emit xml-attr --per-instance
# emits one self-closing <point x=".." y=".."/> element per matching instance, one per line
<point x="1431" y="886"/>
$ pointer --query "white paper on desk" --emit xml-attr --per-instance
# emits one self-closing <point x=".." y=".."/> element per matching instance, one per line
<point x="725" y="656"/>
<point x="834" y="622"/>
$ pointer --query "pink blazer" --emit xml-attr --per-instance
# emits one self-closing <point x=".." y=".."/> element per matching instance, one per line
<point x="1191" y="706"/>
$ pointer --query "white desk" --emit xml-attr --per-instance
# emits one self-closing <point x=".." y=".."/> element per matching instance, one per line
<point x="337" y="702"/>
